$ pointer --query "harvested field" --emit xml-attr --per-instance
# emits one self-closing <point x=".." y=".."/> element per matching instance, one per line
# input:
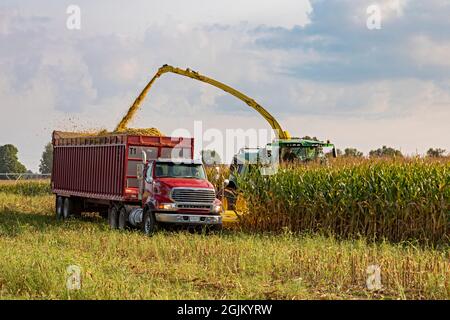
<point x="129" y="265"/>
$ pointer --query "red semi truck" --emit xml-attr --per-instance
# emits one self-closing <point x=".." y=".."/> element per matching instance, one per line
<point x="133" y="180"/>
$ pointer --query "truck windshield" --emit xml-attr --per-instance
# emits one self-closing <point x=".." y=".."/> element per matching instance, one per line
<point x="179" y="170"/>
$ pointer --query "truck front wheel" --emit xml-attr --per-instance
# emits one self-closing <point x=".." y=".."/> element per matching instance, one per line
<point x="149" y="226"/>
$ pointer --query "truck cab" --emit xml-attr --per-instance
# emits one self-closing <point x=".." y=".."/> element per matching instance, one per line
<point x="133" y="180"/>
<point x="176" y="192"/>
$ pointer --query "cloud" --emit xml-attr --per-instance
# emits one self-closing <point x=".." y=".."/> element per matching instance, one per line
<point x="427" y="52"/>
<point x="282" y="13"/>
<point x="347" y="51"/>
<point x="132" y="18"/>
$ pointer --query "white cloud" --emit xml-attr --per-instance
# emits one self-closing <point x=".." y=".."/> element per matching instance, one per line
<point x="390" y="10"/>
<point x="393" y="8"/>
<point x="281" y="13"/>
<point x="427" y="52"/>
<point x="134" y="17"/>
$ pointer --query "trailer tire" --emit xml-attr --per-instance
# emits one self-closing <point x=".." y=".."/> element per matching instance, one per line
<point x="59" y="207"/>
<point x="123" y="219"/>
<point x="67" y="208"/>
<point x="113" y="217"/>
<point x="149" y="225"/>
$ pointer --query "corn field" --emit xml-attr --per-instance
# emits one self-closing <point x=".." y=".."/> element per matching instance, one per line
<point x="395" y="200"/>
<point x="26" y="187"/>
<point x="217" y="175"/>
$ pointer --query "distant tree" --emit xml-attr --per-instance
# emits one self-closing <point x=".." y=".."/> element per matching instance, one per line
<point x="352" y="152"/>
<point x="211" y="157"/>
<point x="435" y="153"/>
<point x="9" y="162"/>
<point x="385" y="152"/>
<point x="46" y="164"/>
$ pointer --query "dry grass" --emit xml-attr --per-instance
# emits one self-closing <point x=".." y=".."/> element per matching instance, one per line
<point x="26" y="187"/>
<point x="35" y="251"/>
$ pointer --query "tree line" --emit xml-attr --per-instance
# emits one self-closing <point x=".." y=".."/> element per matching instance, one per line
<point x="385" y="151"/>
<point x="9" y="160"/>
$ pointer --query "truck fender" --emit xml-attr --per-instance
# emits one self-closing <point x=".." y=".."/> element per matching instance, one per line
<point x="150" y="203"/>
<point x="149" y="206"/>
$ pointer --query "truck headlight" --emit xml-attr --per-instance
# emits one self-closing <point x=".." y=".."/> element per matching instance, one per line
<point x="217" y="208"/>
<point x="167" y="206"/>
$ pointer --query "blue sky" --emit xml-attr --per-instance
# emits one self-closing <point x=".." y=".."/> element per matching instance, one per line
<point x="314" y="64"/>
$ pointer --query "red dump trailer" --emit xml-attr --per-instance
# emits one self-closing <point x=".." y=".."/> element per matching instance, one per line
<point x="104" y="167"/>
<point x="122" y="174"/>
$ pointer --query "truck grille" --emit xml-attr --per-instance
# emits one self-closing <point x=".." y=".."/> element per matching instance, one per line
<point x="193" y="195"/>
<point x="195" y="206"/>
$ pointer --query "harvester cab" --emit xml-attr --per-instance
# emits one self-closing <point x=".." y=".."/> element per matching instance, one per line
<point x="297" y="150"/>
<point x="244" y="161"/>
<point x="279" y="152"/>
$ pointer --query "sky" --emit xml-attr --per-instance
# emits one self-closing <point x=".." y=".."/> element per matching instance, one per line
<point x="314" y="64"/>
